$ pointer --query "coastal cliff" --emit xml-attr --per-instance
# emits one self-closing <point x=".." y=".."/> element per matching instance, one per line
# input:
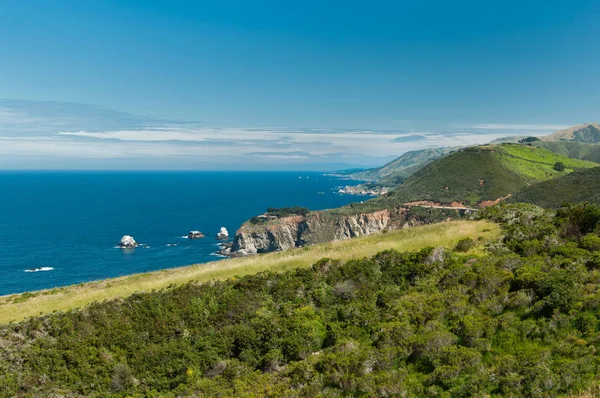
<point x="322" y="226"/>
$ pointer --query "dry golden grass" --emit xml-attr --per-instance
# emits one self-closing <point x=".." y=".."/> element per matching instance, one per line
<point x="21" y="306"/>
<point x="592" y="392"/>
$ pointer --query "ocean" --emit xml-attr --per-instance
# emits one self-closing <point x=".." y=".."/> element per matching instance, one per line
<point x="68" y="224"/>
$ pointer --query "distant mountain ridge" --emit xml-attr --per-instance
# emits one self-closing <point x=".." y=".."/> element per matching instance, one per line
<point x="396" y="171"/>
<point x="587" y="132"/>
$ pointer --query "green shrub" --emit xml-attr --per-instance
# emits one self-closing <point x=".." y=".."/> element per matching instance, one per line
<point x="464" y="245"/>
<point x="274" y="213"/>
<point x="590" y="242"/>
<point x="559" y="166"/>
<point x="527" y="140"/>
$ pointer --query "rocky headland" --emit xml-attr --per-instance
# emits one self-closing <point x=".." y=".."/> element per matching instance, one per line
<point x="323" y="226"/>
<point x="363" y="189"/>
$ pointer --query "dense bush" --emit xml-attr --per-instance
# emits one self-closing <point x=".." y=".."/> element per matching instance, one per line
<point x="528" y="140"/>
<point x="288" y="211"/>
<point x="522" y="321"/>
<point x="273" y="213"/>
<point x="559" y="166"/>
<point x="464" y="245"/>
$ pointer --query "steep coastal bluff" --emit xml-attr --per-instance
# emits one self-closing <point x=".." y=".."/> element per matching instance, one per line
<point x="323" y="226"/>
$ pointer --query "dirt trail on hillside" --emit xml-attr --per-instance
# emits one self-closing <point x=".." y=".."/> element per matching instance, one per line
<point x="456" y="205"/>
<point x="434" y="205"/>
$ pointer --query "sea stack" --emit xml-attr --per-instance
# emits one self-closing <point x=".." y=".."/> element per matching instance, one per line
<point x="127" y="242"/>
<point x="195" y="235"/>
<point x="223" y="234"/>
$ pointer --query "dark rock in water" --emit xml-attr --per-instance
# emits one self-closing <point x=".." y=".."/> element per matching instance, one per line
<point x="127" y="242"/>
<point x="195" y="235"/>
<point x="225" y="249"/>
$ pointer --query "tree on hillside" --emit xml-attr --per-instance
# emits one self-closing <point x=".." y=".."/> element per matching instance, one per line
<point x="559" y="166"/>
<point x="527" y="140"/>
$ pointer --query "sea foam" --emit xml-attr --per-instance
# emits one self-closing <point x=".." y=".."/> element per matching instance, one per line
<point x="39" y="269"/>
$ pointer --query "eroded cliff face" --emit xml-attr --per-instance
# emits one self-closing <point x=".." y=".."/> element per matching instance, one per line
<point x="317" y="227"/>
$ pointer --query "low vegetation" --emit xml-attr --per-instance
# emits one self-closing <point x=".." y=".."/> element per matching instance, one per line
<point x="275" y="213"/>
<point x="518" y="316"/>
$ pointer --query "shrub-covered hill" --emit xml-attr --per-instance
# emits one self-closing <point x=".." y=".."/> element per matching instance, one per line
<point x="477" y="174"/>
<point x="522" y="320"/>
<point x="579" y="186"/>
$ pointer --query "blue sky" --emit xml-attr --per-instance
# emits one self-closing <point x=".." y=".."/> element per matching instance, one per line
<point x="236" y="84"/>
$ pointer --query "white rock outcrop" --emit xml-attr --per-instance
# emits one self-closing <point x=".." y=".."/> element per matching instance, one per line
<point x="127" y="242"/>
<point x="223" y="233"/>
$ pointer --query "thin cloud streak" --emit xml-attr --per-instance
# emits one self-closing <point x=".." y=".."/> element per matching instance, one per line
<point x="72" y="133"/>
<point x="492" y="126"/>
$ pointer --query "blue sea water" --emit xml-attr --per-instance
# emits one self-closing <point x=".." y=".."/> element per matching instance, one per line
<point x="72" y="221"/>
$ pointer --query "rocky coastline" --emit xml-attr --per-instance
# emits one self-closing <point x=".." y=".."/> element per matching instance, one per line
<point x="317" y="227"/>
<point x="364" y="190"/>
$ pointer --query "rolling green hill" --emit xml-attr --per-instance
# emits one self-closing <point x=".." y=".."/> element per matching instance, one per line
<point x="396" y="171"/>
<point x="477" y="174"/>
<point x="579" y="186"/>
<point x="572" y="149"/>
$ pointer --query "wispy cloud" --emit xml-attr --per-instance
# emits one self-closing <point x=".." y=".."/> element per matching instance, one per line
<point x="410" y="138"/>
<point x="500" y="126"/>
<point x="51" y="134"/>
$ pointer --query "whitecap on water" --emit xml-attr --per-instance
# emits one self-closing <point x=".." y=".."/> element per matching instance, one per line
<point x="39" y="269"/>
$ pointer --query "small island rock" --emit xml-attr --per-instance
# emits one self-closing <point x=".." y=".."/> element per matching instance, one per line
<point x="195" y="235"/>
<point x="223" y="234"/>
<point x="127" y="242"/>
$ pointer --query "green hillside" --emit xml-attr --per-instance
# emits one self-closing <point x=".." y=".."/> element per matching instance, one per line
<point x="483" y="173"/>
<point x="579" y="186"/>
<point x="572" y="149"/>
<point x="396" y="171"/>
<point x="516" y="317"/>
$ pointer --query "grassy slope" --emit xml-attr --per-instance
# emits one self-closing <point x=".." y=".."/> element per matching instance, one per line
<point x="572" y="149"/>
<point x="504" y="169"/>
<point x="18" y="307"/>
<point x="580" y="186"/>
<point x="537" y="163"/>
